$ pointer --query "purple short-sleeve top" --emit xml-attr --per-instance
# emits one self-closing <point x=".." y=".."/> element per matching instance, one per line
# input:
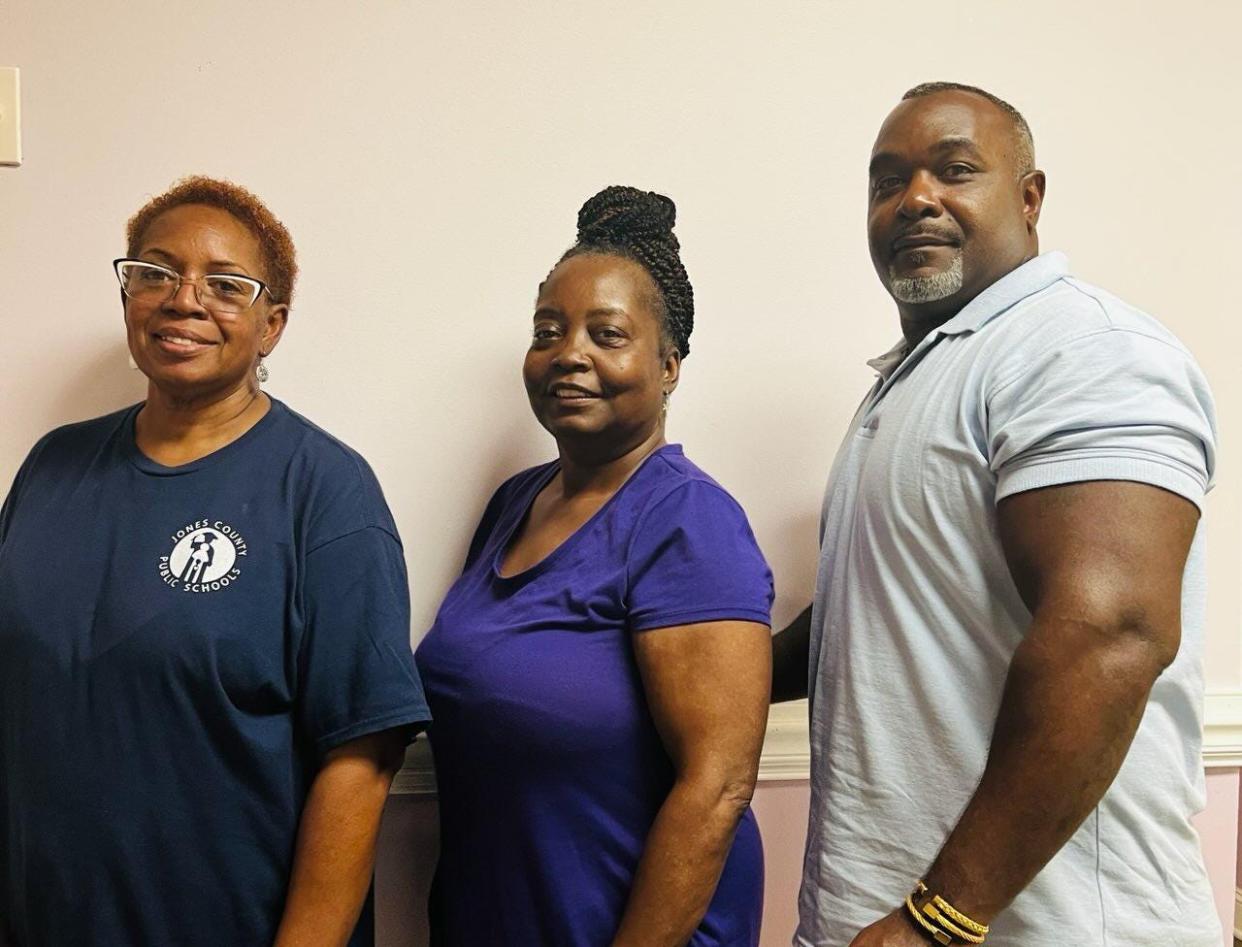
<point x="549" y="767"/>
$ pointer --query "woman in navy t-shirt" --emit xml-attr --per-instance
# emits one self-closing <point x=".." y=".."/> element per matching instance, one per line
<point x="206" y="681"/>
<point x="599" y="673"/>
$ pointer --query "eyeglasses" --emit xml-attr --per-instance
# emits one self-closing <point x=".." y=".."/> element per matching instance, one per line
<point x="219" y="292"/>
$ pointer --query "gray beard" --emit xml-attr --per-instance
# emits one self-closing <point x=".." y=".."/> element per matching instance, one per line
<point x="927" y="289"/>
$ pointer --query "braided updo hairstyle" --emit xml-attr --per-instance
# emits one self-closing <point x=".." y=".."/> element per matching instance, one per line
<point x="638" y="225"/>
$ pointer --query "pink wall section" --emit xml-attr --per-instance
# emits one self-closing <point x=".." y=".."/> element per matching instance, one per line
<point x="1218" y="829"/>
<point x="408" y="842"/>
<point x="781" y="809"/>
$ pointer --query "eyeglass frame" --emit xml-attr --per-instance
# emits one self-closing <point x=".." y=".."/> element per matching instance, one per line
<point x="195" y="282"/>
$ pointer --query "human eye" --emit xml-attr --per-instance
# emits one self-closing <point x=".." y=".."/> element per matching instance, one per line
<point x="229" y="287"/>
<point x="609" y="335"/>
<point x="884" y="182"/>
<point x="152" y="275"/>
<point x="544" y="332"/>
<point x="958" y="169"/>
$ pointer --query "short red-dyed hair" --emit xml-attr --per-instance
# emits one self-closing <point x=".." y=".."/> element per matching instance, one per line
<point x="274" y="240"/>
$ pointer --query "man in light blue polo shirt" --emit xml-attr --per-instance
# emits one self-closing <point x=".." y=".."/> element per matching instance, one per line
<point x="1004" y="650"/>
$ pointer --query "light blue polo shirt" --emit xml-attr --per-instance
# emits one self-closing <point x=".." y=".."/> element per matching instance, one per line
<point x="1040" y="380"/>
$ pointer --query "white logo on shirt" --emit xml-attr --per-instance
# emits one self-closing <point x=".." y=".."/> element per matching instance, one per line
<point x="204" y="557"/>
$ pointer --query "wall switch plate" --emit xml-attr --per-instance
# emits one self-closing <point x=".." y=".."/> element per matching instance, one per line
<point x="10" y="117"/>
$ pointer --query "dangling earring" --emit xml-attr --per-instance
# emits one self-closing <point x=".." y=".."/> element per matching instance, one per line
<point x="261" y="372"/>
<point x="664" y="407"/>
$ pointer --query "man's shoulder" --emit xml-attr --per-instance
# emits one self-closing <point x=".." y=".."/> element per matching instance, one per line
<point x="1070" y="312"/>
<point x="1116" y="314"/>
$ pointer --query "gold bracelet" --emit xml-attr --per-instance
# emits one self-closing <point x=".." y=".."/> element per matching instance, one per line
<point x="937" y="934"/>
<point x="941" y="919"/>
<point x="973" y="926"/>
<point x="920" y="887"/>
<point x="933" y="913"/>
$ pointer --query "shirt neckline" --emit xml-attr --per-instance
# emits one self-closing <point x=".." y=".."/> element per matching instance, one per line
<point x="560" y="551"/>
<point x="1022" y="281"/>
<point x="1018" y="284"/>
<point x="148" y="466"/>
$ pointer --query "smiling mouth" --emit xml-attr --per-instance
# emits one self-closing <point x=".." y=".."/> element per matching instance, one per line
<point x="180" y="343"/>
<point x="920" y="242"/>
<point x="569" y="393"/>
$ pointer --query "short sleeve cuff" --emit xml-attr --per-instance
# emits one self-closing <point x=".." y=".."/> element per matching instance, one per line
<point x="697" y="616"/>
<point x="416" y="718"/>
<point x="1063" y="469"/>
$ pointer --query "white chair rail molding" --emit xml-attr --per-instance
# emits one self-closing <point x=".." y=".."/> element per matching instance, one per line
<point x="787" y="751"/>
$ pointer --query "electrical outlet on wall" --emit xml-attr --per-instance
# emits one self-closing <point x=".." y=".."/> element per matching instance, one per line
<point x="10" y="117"/>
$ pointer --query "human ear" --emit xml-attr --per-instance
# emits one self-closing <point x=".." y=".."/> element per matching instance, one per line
<point x="274" y="326"/>
<point x="672" y="370"/>
<point x="1033" y="185"/>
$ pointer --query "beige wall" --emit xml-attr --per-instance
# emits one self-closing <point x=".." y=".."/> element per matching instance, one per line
<point x="430" y="157"/>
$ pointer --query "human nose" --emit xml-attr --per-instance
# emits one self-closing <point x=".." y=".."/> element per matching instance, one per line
<point x="572" y="355"/>
<point x="921" y="197"/>
<point x="186" y="299"/>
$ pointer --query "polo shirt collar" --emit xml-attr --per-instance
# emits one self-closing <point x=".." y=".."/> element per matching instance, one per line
<point x="887" y="363"/>
<point x="1026" y="280"/>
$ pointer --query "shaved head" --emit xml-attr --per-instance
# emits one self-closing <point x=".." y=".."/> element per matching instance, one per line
<point x="1024" y="142"/>
<point x="951" y="211"/>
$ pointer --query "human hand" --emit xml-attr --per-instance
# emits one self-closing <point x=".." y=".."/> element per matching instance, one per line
<point x="893" y="930"/>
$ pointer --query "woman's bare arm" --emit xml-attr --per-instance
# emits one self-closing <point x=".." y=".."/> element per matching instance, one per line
<point x="708" y="688"/>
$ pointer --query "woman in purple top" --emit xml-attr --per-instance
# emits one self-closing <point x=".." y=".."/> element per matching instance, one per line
<point x="599" y="674"/>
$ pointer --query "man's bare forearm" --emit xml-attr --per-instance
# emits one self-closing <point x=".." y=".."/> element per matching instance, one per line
<point x="791" y="649"/>
<point x="1066" y="720"/>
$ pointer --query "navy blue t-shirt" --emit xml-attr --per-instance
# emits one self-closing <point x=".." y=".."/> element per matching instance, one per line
<point x="179" y="648"/>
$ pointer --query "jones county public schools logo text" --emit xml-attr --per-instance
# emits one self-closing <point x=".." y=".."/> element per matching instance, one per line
<point x="206" y="557"/>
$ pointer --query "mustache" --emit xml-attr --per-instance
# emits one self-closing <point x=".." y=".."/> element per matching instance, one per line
<point x="944" y="235"/>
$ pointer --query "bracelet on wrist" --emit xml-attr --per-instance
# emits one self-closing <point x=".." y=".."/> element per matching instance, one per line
<point x="940" y="920"/>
